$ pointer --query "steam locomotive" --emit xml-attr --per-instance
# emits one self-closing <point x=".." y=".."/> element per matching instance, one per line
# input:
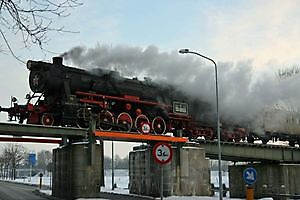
<point x="67" y="96"/>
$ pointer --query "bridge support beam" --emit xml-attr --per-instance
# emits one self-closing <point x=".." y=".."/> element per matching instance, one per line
<point x="280" y="181"/>
<point x="77" y="171"/>
<point x="187" y="174"/>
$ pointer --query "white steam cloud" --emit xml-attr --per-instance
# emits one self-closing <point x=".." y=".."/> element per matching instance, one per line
<point x="242" y="92"/>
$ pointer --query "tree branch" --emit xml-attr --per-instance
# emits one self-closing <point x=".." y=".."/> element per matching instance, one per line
<point x="32" y="20"/>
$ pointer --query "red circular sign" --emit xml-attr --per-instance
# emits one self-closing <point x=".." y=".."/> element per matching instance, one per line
<point x="146" y="128"/>
<point x="162" y="152"/>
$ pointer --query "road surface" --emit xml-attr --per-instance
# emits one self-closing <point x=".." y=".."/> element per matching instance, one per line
<point x="13" y="191"/>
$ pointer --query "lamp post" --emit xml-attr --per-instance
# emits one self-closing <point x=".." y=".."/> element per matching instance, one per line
<point x="186" y="51"/>
<point x="112" y="166"/>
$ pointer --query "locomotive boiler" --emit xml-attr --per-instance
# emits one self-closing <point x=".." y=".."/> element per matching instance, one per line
<point x="68" y="96"/>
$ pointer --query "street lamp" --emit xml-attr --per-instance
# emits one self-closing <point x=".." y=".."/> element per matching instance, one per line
<point x="183" y="51"/>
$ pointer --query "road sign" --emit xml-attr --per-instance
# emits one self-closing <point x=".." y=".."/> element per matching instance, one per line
<point x="32" y="159"/>
<point x="146" y="128"/>
<point x="250" y="175"/>
<point x="162" y="152"/>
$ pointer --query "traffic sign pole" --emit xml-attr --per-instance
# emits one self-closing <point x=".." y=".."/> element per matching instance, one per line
<point x="162" y="153"/>
<point x="161" y="182"/>
<point x="30" y="173"/>
<point x="250" y="193"/>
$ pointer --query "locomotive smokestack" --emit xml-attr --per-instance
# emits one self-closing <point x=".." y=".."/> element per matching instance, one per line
<point x="57" y="60"/>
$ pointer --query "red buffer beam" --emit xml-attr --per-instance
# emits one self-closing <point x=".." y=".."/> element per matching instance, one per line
<point x="133" y="137"/>
<point x="33" y="140"/>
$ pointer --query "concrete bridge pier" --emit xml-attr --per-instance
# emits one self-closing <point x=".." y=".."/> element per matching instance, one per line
<point x="187" y="174"/>
<point x="280" y="181"/>
<point x="77" y="170"/>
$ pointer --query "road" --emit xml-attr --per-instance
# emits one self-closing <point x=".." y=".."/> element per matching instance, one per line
<point x="13" y="191"/>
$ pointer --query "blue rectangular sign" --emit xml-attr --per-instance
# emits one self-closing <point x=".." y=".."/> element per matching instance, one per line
<point x="32" y="159"/>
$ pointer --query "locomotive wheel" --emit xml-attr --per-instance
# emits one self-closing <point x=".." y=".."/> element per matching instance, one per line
<point x="237" y="139"/>
<point x="208" y="134"/>
<point x="159" y="125"/>
<point x="81" y="123"/>
<point x="124" y="122"/>
<point x="292" y="143"/>
<point x="265" y="140"/>
<point x="250" y="139"/>
<point x="105" y="121"/>
<point x="47" y="119"/>
<point x="83" y="116"/>
<point x="140" y="121"/>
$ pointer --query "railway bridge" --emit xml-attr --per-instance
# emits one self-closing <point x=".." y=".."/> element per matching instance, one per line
<point x="70" y="162"/>
<point x="246" y="152"/>
<point x="236" y="152"/>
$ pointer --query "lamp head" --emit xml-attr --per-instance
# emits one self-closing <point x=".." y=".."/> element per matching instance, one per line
<point x="184" y="51"/>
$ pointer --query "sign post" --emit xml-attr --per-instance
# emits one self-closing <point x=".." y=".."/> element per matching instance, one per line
<point x="41" y="179"/>
<point x="249" y="176"/>
<point x="162" y="153"/>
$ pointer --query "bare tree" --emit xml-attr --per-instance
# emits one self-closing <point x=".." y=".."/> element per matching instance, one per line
<point x="44" y="159"/>
<point x="2" y="164"/>
<point x="289" y="72"/>
<point x="12" y="156"/>
<point x="32" y="20"/>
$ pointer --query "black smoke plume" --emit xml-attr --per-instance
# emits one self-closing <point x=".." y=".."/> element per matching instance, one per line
<point x="242" y="94"/>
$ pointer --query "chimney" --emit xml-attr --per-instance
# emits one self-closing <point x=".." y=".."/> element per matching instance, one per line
<point x="57" y="60"/>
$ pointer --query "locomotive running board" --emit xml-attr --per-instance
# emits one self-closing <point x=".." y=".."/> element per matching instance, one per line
<point x="134" y="137"/>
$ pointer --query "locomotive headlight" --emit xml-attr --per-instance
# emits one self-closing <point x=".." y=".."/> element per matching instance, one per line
<point x="29" y="64"/>
<point x="37" y="81"/>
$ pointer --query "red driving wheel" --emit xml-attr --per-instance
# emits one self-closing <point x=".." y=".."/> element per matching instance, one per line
<point x="47" y="119"/>
<point x="105" y="121"/>
<point x="125" y="122"/>
<point x="159" y="125"/>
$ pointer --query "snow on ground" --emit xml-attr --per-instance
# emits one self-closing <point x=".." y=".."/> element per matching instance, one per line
<point x="35" y="180"/>
<point x="122" y="179"/>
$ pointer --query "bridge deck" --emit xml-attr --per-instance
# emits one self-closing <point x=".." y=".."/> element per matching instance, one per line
<point x="230" y="151"/>
<point x="58" y="132"/>
<point x="31" y="140"/>
<point x="246" y="152"/>
<point x="40" y="131"/>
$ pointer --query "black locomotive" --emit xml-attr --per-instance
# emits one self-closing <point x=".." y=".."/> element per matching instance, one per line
<point x="67" y="96"/>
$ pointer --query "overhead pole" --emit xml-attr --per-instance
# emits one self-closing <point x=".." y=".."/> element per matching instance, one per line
<point x="112" y="166"/>
<point x="186" y="51"/>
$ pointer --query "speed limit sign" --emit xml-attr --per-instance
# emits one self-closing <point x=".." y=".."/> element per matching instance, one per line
<point x="162" y="152"/>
